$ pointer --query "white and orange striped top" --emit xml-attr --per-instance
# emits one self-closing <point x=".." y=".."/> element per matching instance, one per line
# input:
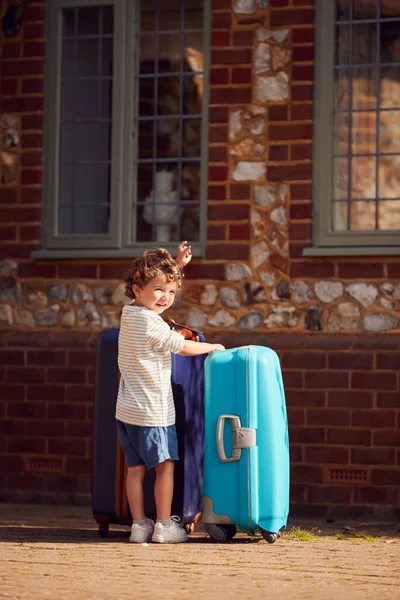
<point x="144" y="359"/>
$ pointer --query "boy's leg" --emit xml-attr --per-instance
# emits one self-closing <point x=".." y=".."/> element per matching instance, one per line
<point x="134" y="491"/>
<point x="164" y="489"/>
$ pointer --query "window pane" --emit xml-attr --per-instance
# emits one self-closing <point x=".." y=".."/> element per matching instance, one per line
<point x="389" y="131"/>
<point x="170" y="14"/>
<point x="364" y="44"/>
<point x="389" y="9"/>
<point x="390" y="87"/>
<point x="363" y="177"/>
<point x="362" y="216"/>
<point x="342" y="124"/>
<point x="342" y="94"/>
<point x="364" y="88"/>
<point x="85" y="127"/>
<point x="364" y="9"/>
<point x="342" y="45"/>
<point x="389" y="176"/>
<point x="169" y="53"/>
<point x="363" y="133"/>
<point x="191" y="146"/>
<point x="340" y="178"/>
<point x="389" y="215"/>
<point x="340" y="216"/>
<point x="342" y="10"/>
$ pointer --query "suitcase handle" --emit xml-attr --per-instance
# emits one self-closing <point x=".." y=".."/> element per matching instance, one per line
<point x="242" y="437"/>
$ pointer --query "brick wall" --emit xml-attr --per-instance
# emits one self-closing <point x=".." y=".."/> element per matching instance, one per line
<point x="343" y="388"/>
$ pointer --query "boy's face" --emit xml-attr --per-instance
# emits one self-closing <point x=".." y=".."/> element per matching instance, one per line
<point x="157" y="295"/>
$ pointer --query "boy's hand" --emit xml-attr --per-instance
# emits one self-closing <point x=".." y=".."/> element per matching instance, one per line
<point x="184" y="255"/>
<point x="216" y="348"/>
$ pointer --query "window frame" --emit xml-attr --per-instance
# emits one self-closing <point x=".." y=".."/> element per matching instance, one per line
<point x="325" y="241"/>
<point x="117" y="243"/>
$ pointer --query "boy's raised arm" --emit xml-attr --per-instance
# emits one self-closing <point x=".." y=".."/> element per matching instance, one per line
<point x="191" y="348"/>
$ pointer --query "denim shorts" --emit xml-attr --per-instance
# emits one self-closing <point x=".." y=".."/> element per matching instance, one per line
<point x="148" y="446"/>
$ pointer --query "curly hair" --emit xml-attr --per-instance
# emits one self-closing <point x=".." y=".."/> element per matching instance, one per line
<point x="147" y="266"/>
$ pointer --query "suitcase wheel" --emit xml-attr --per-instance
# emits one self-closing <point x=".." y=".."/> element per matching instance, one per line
<point x="103" y="529"/>
<point x="220" y="533"/>
<point x="269" y="537"/>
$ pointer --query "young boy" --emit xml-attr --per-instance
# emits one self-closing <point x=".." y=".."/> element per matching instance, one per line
<point x="145" y="410"/>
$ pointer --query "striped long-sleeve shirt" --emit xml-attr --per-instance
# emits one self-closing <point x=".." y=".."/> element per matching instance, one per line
<point x="144" y="359"/>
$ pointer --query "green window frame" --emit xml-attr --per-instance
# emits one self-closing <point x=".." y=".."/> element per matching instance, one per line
<point x="327" y="242"/>
<point x="118" y="242"/>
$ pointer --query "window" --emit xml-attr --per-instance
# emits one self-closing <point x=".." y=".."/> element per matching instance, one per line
<point x="125" y="155"/>
<point x="357" y="147"/>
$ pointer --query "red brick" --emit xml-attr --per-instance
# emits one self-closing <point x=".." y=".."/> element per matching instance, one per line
<point x="385" y="477"/>
<point x="326" y="416"/>
<point x="290" y="131"/>
<point x="301" y="152"/>
<point x="277" y="112"/>
<point x="29" y="233"/>
<point x="360" y="270"/>
<point x="296" y="249"/>
<point x="327" y="454"/>
<point x="218" y="134"/>
<point x="68" y="484"/>
<point x="32" y="122"/>
<point x="217" y="154"/>
<point x="300" y="191"/>
<point x="380" y="341"/>
<point x="296" y="454"/>
<point x="296" y="416"/>
<point x="34" y="49"/>
<point x="79" y="466"/>
<point x="205" y="271"/>
<point x="239" y="232"/>
<point x="237" y="95"/>
<point x="23" y="67"/>
<point x="66" y="411"/>
<point x="34" y="31"/>
<point x="293" y="379"/>
<point x="217" y="192"/>
<point x="9" y="195"/>
<point x="31" y="176"/>
<point x="67" y="447"/>
<point x="350" y="360"/>
<point x="32" y="86"/>
<point x="11" y="464"/>
<point x="76" y="271"/>
<point x="243" y="38"/>
<point x="303" y="54"/>
<point x="387" y="400"/>
<point x="228" y="252"/>
<point x="25" y="375"/>
<point x="282" y="18"/>
<point x="220" y="38"/>
<point x="303" y="92"/>
<point x="317" y="379"/>
<point x="12" y="357"/>
<point x="300" y="211"/>
<point x="31" y="159"/>
<point x="36" y="270"/>
<point x="311" y="269"/>
<point x="27" y="481"/>
<point x="302" y="73"/>
<point x="27" y="338"/>
<point x="388" y="437"/>
<point x="18" y="104"/>
<point x="373" y="456"/>
<point x="31" y="140"/>
<point x="228" y="212"/>
<point x="303" y="3"/>
<point x="46" y="357"/>
<point x="303" y="36"/>
<point x="349" y="436"/>
<point x="34" y="410"/>
<point x="218" y="114"/>
<point x="307" y="435"/>
<point x="305" y="398"/>
<point x="218" y="173"/>
<point x="221" y="21"/>
<point x="221" y="4"/>
<point x="331" y="494"/>
<point x="373" y="418"/>
<point x="375" y="381"/>
<point x="216" y="232"/>
<point x="371" y="495"/>
<point x="350" y="399"/>
<point x="10" y="428"/>
<point x="46" y="428"/>
<point x="231" y="57"/>
<point x="303" y="360"/>
<point x="66" y="375"/>
<point x="33" y="13"/>
<point x="219" y="77"/>
<point x="278" y="153"/>
<point x="297" y="492"/>
<point x="290" y="173"/>
<point x="113" y="270"/>
<point x="242" y="75"/>
<point x="306" y="474"/>
<point x="302" y="112"/>
<point x="394" y="269"/>
<point x="278" y="3"/>
<point x="79" y="429"/>
<point x="300" y="231"/>
<point x="11" y="50"/>
<point x="34" y="445"/>
<point x="388" y="360"/>
<point x="78" y="393"/>
<point x="9" y="87"/>
<point x="239" y="191"/>
<point x="13" y="392"/>
<point x="8" y="234"/>
<point x="82" y="358"/>
<point x="18" y="251"/>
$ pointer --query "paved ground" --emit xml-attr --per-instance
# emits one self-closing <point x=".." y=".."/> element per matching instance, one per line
<point x="56" y="553"/>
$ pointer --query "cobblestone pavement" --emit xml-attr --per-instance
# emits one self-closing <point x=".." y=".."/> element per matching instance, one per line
<point x="56" y="553"/>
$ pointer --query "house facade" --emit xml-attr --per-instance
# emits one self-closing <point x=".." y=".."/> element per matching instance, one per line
<point x="264" y="132"/>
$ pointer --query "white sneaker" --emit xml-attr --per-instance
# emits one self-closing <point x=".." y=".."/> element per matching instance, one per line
<point x="142" y="532"/>
<point x="169" y="534"/>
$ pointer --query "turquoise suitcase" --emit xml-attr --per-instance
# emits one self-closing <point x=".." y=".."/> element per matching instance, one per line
<point x="246" y="458"/>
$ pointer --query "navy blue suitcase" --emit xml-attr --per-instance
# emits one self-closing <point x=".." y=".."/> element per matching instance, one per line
<point x="109" y="502"/>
